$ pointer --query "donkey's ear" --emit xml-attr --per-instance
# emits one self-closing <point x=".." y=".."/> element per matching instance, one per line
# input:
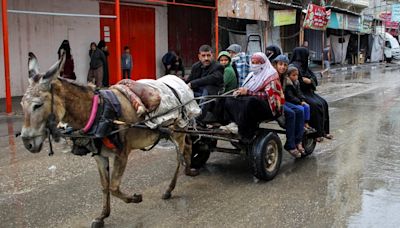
<point x="33" y="68"/>
<point x="54" y="70"/>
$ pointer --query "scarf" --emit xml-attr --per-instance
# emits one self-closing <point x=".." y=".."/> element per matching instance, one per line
<point x="260" y="74"/>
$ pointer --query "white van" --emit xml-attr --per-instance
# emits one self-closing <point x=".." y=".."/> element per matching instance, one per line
<point x="392" y="47"/>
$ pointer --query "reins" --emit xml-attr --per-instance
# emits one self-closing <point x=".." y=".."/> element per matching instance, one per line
<point x="56" y="133"/>
<point x="51" y="125"/>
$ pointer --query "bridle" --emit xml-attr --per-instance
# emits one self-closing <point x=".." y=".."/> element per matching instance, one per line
<point x="51" y="124"/>
<point x="51" y="127"/>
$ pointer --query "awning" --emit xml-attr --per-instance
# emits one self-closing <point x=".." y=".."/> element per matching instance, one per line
<point x="340" y="10"/>
<point x="282" y="5"/>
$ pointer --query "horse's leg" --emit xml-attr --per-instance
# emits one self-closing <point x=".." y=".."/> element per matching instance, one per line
<point x="104" y="170"/>
<point x="180" y="140"/>
<point x="120" y="161"/>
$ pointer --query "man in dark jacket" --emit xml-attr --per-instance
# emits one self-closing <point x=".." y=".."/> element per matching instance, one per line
<point x="97" y="59"/>
<point x="206" y="77"/>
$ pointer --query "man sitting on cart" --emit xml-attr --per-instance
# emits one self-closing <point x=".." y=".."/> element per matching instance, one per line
<point x="206" y="77"/>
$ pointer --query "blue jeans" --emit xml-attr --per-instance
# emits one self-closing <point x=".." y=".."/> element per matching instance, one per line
<point x="200" y="92"/>
<point x="294" y="117"/>
<point x="306" y="108"/>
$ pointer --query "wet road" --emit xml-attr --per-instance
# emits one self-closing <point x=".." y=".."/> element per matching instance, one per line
<point x="351" y="181"/>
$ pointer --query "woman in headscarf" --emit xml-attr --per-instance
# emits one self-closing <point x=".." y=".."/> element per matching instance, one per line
<point x="308" y="84"/>
<point x="260" y="98"/>
<point x="68" y="70"/>
<point x="272" y="51"/>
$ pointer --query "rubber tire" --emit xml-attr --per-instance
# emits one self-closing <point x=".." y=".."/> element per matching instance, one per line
<point x="263" y="142"/>
<point x="201" y="151"/>
<point x="309" y="144"/>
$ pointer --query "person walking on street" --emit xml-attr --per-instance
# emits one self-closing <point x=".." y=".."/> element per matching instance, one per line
<point x="68" y="70"/>
<point x="127" y="63"/>
<point x="327" y="60"/>
<point x="103" y="47"/>
<point x="97" y="59"/>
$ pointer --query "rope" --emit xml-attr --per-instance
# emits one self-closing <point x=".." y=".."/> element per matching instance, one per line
<point x="141" y="124"/>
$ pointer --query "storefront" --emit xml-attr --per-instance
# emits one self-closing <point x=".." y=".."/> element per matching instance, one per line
<point x="244" y="23"/>
<point x="343" y="36"/>
<point x="284" y="29"/>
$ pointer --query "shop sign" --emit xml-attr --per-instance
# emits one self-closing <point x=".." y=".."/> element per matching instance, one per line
<point x="336" y="21"/>
<point x="387" y="18"/>
<point x="352" y="23"/>
<point x="366" y="26"/>
<point x="317" y="17"/>
<point x="396" y="12"/>
<point x="284" y="17"/>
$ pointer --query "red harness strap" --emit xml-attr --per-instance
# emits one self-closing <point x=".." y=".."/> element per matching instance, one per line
<point x="92" y="117"/>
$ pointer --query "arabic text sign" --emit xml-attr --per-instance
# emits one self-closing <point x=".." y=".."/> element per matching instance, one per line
<point x="317" y="17"/>
<point x="284" y="17"/>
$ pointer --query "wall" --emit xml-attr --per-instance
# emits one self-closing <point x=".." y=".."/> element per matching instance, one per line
<point x="43" y="35"/>
<point x="161" y="38"/>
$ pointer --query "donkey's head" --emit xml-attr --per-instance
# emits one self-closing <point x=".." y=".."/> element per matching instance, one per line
<point x="37" y="103"/>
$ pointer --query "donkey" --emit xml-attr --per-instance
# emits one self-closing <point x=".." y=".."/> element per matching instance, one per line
<point x="70" y="102"/>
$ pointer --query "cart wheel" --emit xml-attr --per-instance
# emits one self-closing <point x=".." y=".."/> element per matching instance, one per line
<point x="309" y="144"/>
<point x="266" y="155"/>
<point x="201" y="152"/>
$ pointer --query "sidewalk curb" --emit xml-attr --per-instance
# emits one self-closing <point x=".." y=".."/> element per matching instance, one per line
<point x="361" y="66"/>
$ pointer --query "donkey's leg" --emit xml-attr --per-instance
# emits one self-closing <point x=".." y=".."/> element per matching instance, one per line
<point x="120" y="161"/>
<point x="187" y="155"/>
<point x="104" y="170"/>
<point x="179" y="142"/>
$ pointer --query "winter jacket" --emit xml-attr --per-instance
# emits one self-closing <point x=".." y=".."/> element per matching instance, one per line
<point x="210" y="77"/>
<point x="293" y="93"/>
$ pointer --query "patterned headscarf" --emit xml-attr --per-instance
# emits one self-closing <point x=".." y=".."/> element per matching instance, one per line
<point x="261" y="73"/>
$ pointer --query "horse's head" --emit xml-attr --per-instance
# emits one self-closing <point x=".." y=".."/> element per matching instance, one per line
<point x="37" y="104"/>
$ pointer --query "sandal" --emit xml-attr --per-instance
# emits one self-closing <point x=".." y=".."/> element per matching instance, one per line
<point x="309" y="130"/>
<point x="319" y="139"/>
<point x="301" y="149"/>
<point x="295" y="153"/>
<point x="328" y="136"/>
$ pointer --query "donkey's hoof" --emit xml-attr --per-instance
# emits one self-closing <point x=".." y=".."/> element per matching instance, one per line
<point x="137" y="198"/>
<point x="192" y="172"/>
<point x="97" y="223"/>
<point x="166" y="196"/>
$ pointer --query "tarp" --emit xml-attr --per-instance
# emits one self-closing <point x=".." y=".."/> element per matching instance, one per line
<point x="339" y="47"/>
<point x="377" y="51"/>
<point x="169" y="101"/>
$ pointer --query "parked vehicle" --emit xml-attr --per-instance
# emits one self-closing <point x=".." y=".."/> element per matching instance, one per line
<point x="392" y="47"/>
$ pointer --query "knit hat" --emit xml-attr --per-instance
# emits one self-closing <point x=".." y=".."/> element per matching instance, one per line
<point x="291" y="68"/>
<point x="224" y="53"/>
<point x="281" y="58"/>
<point x="234" y="48"/>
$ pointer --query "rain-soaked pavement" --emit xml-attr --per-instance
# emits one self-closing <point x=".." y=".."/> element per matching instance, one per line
<point x="351" y="181"/>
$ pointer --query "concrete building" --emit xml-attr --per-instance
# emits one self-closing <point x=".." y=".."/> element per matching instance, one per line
<point x="42" y="34"/>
